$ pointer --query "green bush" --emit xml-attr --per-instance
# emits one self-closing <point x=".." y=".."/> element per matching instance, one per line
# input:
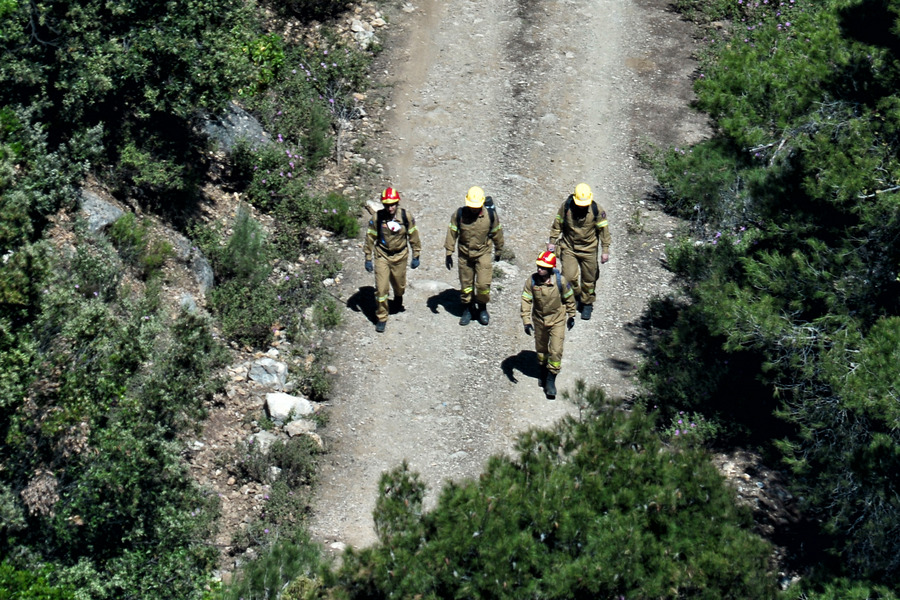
<point x="132" y="239"/>
<point x="309" y="10"/>
<point x="594" y="508"/>
<point x="247" y="312"/>
<point x="29" y="585"/>
<point x="288" y="557"/>
<point x="789" y="306"/>
<point x="338" y="216"/>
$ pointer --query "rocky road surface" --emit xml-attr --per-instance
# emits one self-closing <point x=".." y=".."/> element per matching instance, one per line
<point x="525" y="98"/>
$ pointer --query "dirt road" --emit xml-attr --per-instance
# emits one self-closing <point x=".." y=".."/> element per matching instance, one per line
<point x="525" y="98"/>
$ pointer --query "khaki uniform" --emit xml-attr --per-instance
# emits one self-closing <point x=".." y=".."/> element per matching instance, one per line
<point x="387" y="239"/>
<point x="547" y="306"/>
<point x="474" y="238"/>
<point x="578" y="233"/>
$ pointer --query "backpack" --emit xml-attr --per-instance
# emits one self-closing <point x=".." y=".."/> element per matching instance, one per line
<point x="378" y="222"/>
<point x="492" y="210"/>
<point x="594" y="208"/>
<point x="558" y="283"/>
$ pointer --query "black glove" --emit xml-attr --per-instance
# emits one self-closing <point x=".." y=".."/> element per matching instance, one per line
<point x="528" y="329"/>
<point x="369" y="266"/>
<point x="415" y="263"/>
<point x="449" y="261"/>
<point x="570" y="323"/>
<point x="497" y="257"/>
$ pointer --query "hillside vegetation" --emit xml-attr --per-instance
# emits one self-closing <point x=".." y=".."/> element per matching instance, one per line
<point x="784" y="334"/>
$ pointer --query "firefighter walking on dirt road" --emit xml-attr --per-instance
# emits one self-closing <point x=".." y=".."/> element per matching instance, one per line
<point x="548" y="309"/>
<point x="474" y="228"/>
<point x="579" y="228"/>
<point x="392" y="232"/>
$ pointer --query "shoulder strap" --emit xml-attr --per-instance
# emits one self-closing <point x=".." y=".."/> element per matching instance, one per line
<point x="594" y="208"/>
<point x="378" y="229"/>
<point x="406" y="219"/>
<point x="558" y="283"/>
<point x="458" y="216"/>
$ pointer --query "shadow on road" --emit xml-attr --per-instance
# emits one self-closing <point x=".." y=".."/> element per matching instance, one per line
<point x="364" y="301"/>
<point x="525" y="362"/>
<point x="448" y="300"/>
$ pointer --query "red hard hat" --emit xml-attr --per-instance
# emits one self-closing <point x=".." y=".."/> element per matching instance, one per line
<point x="547" y="260"/>
<point x="390" y="196"/>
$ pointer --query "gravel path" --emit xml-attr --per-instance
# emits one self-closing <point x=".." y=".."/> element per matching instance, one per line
<point x="525" y="98"/>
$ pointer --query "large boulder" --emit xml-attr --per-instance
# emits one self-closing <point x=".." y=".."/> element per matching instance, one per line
<point x="100" y="213"/>
<point x="269" y="372"/>
<point x="233" y="125"/>
<point x="282" y="407"/>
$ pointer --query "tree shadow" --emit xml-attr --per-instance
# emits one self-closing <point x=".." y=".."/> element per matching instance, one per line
<point x="525" y="362"/>
<point x="363" y="300"/>
<point x="620" y="365"/>
<point x="448" y="300"/>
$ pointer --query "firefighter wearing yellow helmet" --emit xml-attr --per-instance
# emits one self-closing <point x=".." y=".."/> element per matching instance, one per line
<point x="391" y="233"/>
<point x="475" y="230"/>
<point x="580" y="227"/>
<point x="548" y="309"/>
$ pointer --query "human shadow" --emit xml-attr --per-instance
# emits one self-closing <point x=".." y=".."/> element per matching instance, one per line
<point x="448" y="300"/>
<point x="525" y="362"/>
<point x="364" y="301"/>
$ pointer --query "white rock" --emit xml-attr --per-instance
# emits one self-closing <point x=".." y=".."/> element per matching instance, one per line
<point x="268" y="371"/>
<point x="299" y="427"/>
<point x="263" y="440"/>
<point x="281" y="407"/>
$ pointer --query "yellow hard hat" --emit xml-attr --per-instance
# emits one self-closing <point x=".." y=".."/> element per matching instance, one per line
<point x="475" y="197"/>
<point x="583" y="194"/>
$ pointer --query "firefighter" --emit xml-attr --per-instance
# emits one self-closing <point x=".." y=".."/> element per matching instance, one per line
<point x="474" y="228"/>
<point x="392" y="232"/>
<point x="548" y="309"/>
<point x="579" y="228"/>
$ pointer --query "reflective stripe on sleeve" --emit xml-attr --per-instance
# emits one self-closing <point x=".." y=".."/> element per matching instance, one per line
<point x="602" y="224"/>
<point x="527" y="296"/>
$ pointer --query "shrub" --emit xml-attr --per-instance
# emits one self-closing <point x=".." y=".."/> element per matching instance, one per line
<point x="246" y="256"/>
<point x="288" y="557"/>
<point x="18" y="584"/>
<point x="132" y="239"/>
<point x="247" y="312"/>
<point x="593" y="508"/>
<point x="338" y="216"/>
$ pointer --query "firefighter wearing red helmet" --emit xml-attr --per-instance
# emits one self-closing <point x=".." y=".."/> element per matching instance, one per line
<point x="392" y="232"/>
<point x="579" y="228"/>
<point x="548" y="309"/>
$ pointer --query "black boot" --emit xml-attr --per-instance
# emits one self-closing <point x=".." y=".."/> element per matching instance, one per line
<point x="542" y="378"/>
<point x="586" y="311"/>
<point x="483" y="317"/>
<point x="466" y="317"/>
<point x="397" y="305"/>
<point x="550" y="386"/>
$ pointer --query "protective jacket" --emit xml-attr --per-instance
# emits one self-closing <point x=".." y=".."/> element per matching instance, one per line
<point x="582" y="232"/>
<point x="388" y="235"/>
<point x="474" y="236"/>
<point x="547" y="303"/>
